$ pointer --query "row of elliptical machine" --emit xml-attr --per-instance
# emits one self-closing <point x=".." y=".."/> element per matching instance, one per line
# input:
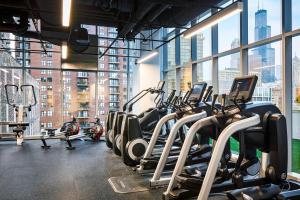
<point x="131" y="144"/>
<point x="256" y="126"/>
<point x="189" y="110"/>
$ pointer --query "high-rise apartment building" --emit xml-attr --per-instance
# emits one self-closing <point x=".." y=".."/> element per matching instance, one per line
<point x="63" y="94"/>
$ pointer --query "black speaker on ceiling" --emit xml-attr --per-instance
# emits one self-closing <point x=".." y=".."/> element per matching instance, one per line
<point x="79" y="40"/>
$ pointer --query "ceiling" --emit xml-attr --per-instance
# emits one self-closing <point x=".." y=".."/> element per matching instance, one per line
<point x="128" y="16"/>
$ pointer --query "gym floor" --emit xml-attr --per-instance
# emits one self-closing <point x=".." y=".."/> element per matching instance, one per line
<point x="30" y="173"/>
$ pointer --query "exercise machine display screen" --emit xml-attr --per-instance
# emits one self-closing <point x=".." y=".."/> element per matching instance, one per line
<point x="160" y="85"/>
<point x="197" y="91"/>
<point x="242" y="88"/>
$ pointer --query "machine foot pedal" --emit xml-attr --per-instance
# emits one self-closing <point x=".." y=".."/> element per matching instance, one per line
<point x="45" y="147"/>
<point x="70" y="148"/>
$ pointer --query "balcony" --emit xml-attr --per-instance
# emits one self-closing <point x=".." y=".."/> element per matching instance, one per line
<point x="114" y="100"/>
<point x="82" y="83"/>
<point x="83" y="108"/>
<point x="83" y="117"/>
<point x="114" y="107"/>
<point x="114" y="92"/>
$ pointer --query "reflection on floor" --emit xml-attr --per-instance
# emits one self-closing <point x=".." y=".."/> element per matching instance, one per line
<point x="30" y="173"/>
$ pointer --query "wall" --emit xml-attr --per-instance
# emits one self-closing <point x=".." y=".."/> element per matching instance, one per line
<point x="146" y="75"/>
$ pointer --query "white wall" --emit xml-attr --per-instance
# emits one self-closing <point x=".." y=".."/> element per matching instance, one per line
<point x="147" y="74"/>
<point x="144" y="76"/>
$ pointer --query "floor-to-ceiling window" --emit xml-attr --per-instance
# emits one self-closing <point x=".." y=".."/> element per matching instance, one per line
<point x="296" y="105"/>
<point x="228" y="50"/>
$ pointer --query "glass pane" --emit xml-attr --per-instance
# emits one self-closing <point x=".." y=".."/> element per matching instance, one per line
<point x="170" y="79"/>
<point x="204" y="44"/>
<point x="79" y="96"/>
<point x="204" y="72"/>
<point x="295" y="14"/>
<point x="171" y="54"/>
<point x="229" y="68"/>
<point x="185" y="78"/>
<point x="296" y="106"/>
<point x="8" y="76"/>
<point x="38" y="58"/>
<point x="48" y="89"/>
<point x="229" y="38"/>
<point x="265" y="62"/>
<point x="185" y="50"/>
<point x="264" y="19"/>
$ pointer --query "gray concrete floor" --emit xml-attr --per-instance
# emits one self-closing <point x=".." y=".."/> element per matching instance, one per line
<point x="30" y="173"/>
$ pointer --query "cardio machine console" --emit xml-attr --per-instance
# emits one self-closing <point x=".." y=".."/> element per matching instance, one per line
<point x="242" y="89"/>
<point x="160" y="85"/>
<point x="197" y="92"/>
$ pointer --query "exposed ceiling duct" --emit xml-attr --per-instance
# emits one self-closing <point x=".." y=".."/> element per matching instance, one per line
<point x="129" y="16"/>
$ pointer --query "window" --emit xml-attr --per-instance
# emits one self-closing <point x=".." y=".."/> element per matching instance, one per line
<point x="204" y="44"/>
<point x="43" y="105"/>
<point x="79" y="99"/>
<point x="228" y="69"/>
<point x="101" y="65"/>
<point x="43" y="88"/>
<point x="43" y="125"/>
<point x="44" y="97"/>
<point x="295" y="14"/>
<point x="185" y="50"/>
<point x="50" y="95"/>
<point x="171" y="80"/>
<point x="265" y="62"/>
<point x="296" y="106"/>
<point x="171" y="54"/>
<point x="229" y="38"/>
<point x="43" y="63"/>
<point x="204" y="72"/>
<point x="101" y="81"/>
<point x="49" y="63"/>
<point x="185" y="78"/>
<point x="101" y="112"/>
<point x="49" y="125"/>
<point x="264" y="19"/>
<point x="101" y="42"/>
<point x="101" y="74"/>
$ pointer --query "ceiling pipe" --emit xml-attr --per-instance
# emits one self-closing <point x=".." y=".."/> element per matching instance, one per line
<point x="140" y="13"/>
<point x="148" y="19"/>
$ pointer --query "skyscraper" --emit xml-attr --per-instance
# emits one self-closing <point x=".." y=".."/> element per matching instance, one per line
<point x="265" y="53"/>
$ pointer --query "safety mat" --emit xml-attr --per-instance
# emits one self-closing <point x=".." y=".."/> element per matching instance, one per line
<point x="129" y="184"/>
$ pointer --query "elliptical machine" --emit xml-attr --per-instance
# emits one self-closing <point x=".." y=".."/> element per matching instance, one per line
<point x="115" y="118"/>
<point x="184" y="113"/>
<point x="255" y="126"/>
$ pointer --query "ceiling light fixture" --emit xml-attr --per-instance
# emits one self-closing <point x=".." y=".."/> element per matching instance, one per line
<point x="66" y="12"/>
<point x="223" y="14"/>
<point x="147" y="56"/>
<point x="64" y="51"/>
